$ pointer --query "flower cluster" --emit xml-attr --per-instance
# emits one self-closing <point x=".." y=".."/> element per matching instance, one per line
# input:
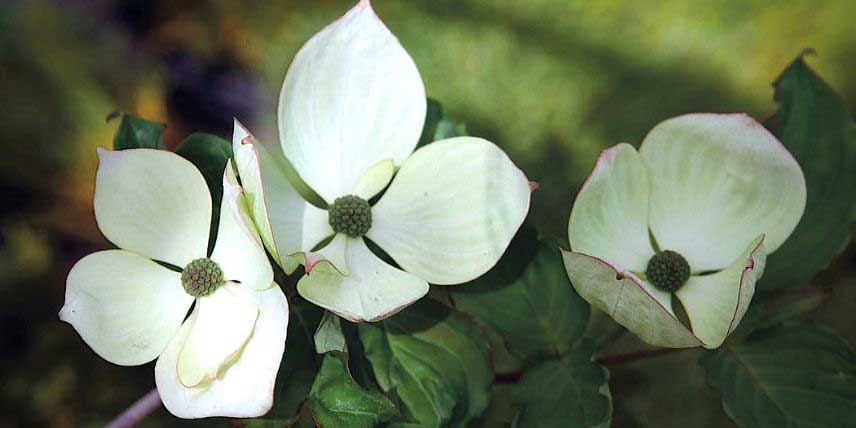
<point x="351" y="112"/>
<point x="689" y="218"/>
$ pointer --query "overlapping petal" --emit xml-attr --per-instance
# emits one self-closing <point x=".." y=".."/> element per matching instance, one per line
<point x="717" y="182"/>
<point x="716" y="303"/>
<point x="609" y="219"/>
<point x="287" y="223"/>
<point x="222" y="324"/>
<point x="238" y="249"/>
<point x="244" y="390"/>
<point x="124" y="306"/>
<point x="373" y="289"/>
<point x="374" y="179"/>
<point x="451" y="210"/>
<point x="154" y="203"/>
<point x="352" y="97"/>
<point x="628" y="300"/>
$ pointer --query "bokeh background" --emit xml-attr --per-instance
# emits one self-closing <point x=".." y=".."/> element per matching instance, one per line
<point x="551" y="81"/>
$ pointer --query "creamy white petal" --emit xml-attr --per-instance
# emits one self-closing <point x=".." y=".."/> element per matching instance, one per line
<point x="374" y="179"/>
<point x="628" y="300"/>
<point x="352" y="97"/>
<point x="247" y="164"/>
<point x="373" y="290"/>
<point x="716" y="303"/>
<point x="287" y="223"/>
<point x="238" y="250"/>
<point x="335" y="252"/>
<point x="451" y="210"/>
<point x="222" y="324"/>
<point x="609" y="219"/>
<point x="154" y="203"/>
<point x="718" y="181"/>
<point x="245" y="389"/>
<point x="124" y="306"/>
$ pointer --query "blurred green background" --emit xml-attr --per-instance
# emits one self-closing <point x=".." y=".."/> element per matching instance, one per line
<point x="551" y="81"/>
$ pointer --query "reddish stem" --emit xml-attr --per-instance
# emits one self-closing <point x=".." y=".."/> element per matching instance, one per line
<point x="138" y="411"/>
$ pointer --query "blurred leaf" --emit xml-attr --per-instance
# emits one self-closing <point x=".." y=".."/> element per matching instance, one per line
<point x="814" y="124"/>
<point x="501" y="411"/>
<point x="796" y="375"/>
<point x="336" y="400"/>
<point x="328" y="336"/>
<point x="136" y="133"/>
<point x="536" y="311"/>
<point x="438" y="126"/>
<point x="571" y="392"/>
<point x="767" y="311"/>
<point x="209" y="153"/>
<point x="433" y="361"/>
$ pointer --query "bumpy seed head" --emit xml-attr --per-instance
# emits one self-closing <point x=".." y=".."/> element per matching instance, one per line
<point x="201" y="277"/>
<point x="668" y="270"/>
<point x="350" y="215"/>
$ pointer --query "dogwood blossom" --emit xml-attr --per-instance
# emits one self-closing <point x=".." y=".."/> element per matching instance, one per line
<point x="693" y="213"/>
<point x="130" y="307"/>
<point x="351" y="111"/>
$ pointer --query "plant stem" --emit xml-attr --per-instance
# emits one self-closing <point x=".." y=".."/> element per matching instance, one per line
<point x="614" y="360"/>
<point x="138" y="411"/>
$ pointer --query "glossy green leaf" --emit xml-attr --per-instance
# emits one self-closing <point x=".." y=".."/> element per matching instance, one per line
<point x="796" y="375"/>
<point x="328" y="336"/>
<point x="536" y="310"/>
<point x="814" y="124"/>
<point x="209" y="153"/>
<point x="433" y="361"/>
<point x="336" y="400"/>
<point x="438" y="125"/>
<point x="570" y="392"/>
<point x="137" y="133"/>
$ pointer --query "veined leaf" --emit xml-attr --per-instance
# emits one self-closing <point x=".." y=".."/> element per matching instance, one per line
<point x="433" y="361"/>
<point x="336" y="400"/>
<point x="571" y="392"/>
<point x="535" y="309"/>
<point x="796" y="375"/>
<point x="814" y="124"/>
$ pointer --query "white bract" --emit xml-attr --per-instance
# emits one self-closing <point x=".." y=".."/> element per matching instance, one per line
<point x="351" y="112"/>
<point x="718" y="190"/>
<point x="223" y="359"/>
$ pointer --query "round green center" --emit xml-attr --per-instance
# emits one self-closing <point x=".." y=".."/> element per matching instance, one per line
<point x="201" y="277"/>
<point x="668" y="270"/>
<point x="350" y="215"/>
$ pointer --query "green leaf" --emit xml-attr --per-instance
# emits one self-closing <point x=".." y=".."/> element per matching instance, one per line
<point x="336" y="400"/>
<point x="328" y="336"/>
<point x="571" y="392"/>
<point x="438" y="126"/>
<point x="537" y="311"/>
<point x="209" y="153"/>
<point x="136" y="133"/>
<point x="796" y="375"/>
<point x="814" y="124"/>
<point x="433" y="360"/>
<point x="767" y="311"/>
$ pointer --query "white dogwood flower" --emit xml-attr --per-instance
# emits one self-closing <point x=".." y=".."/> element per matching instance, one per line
<point x="351" y="112"/>
<point x="130" y="308"/>
<point x="715" y="193"/>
